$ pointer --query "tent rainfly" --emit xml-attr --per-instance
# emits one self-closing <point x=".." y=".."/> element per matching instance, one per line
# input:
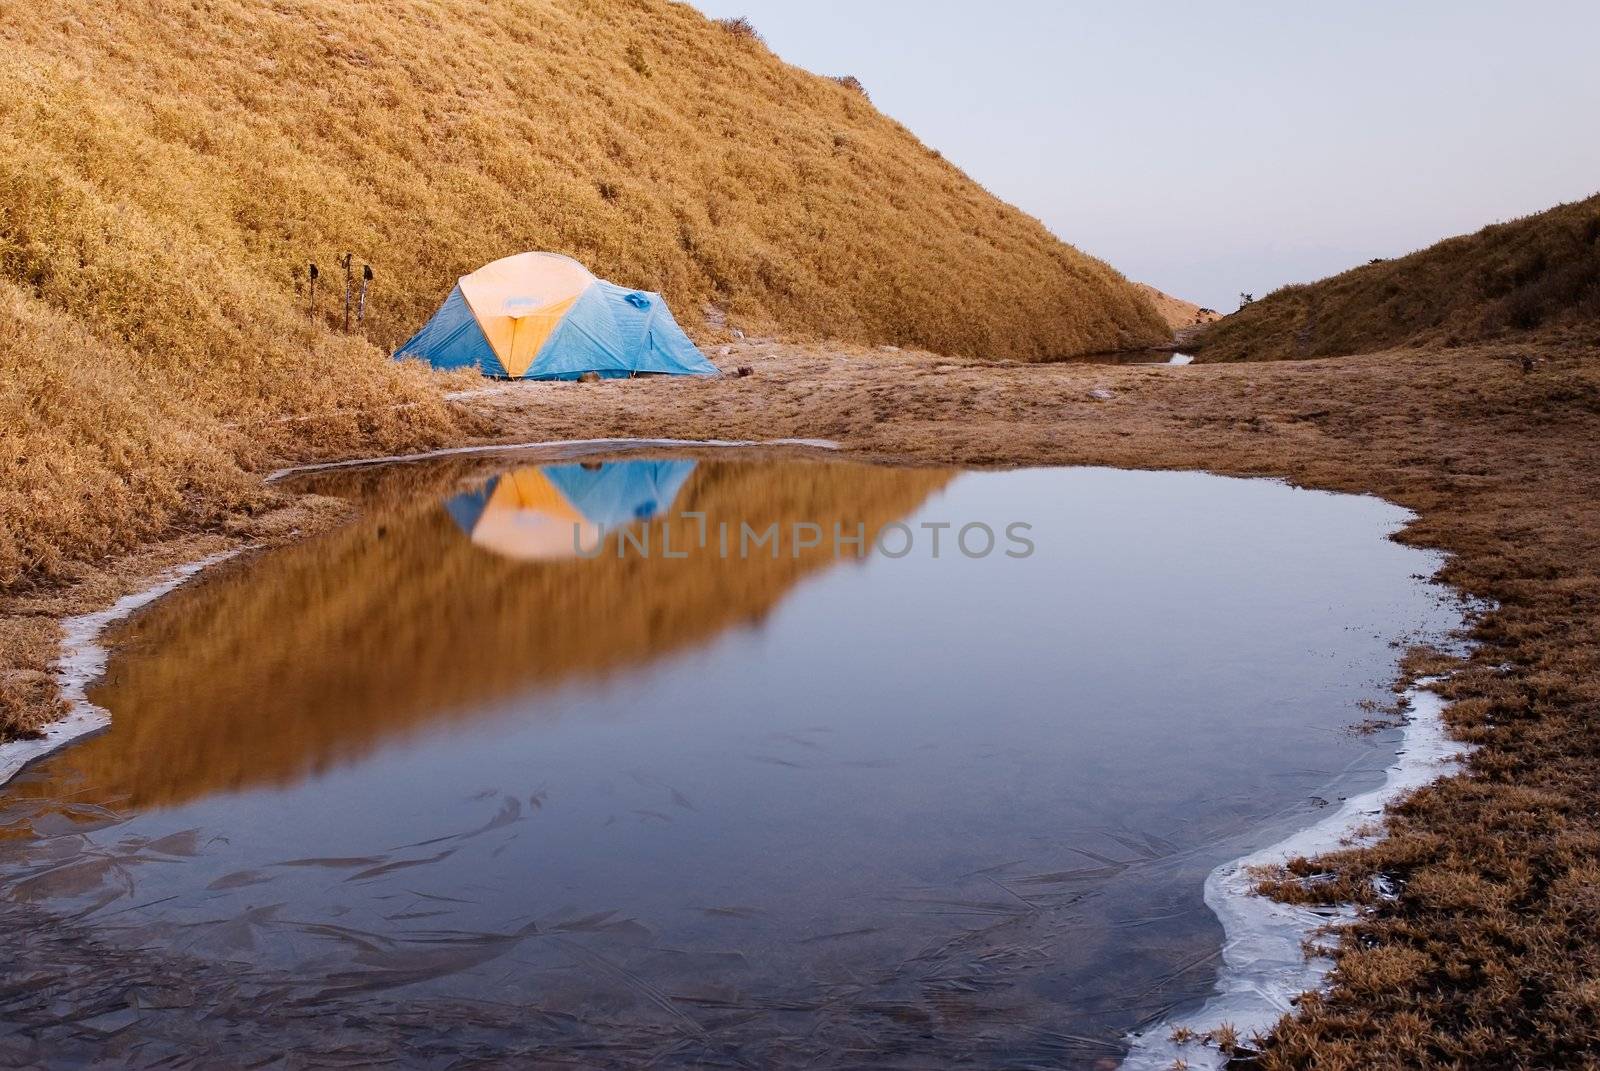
<point x="545" y="316"/>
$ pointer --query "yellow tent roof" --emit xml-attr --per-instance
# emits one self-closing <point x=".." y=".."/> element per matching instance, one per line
<point x="520" y="299"/>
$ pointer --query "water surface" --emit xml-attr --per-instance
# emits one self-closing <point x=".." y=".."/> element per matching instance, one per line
<point x="475" y="776"/>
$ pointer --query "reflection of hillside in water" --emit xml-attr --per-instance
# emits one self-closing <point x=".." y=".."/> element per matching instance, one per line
<point x="319" y="652"/>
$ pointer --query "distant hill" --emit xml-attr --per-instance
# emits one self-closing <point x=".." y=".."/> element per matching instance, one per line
<point x="1178" y="313"/>
<point x="1539" y="275"/>
<point x="169" y="170"/>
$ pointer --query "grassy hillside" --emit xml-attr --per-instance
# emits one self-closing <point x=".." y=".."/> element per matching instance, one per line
<point x="1176" y="312"/>
<point x="1536" y="275"/>
<point x="167" y="171"/>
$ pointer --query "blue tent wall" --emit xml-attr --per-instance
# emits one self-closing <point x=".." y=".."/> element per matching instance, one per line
<point x="453" y="339"/>
<point x="586" y="340"/>
<point x="616" y="331"/>
<point x="661" y="337"/>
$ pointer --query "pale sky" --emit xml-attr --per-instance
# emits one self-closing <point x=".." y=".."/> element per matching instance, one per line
<point x="1213" y="148"/>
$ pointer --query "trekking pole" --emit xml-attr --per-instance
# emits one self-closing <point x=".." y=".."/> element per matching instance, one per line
<point x="345" y="261"/>
<point x="311" y="304"/>
<point x="361" y="304"/>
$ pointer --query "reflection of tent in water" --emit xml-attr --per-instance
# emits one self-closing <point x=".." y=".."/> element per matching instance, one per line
<point x="555" y="511"/>
<point x="371" y="617"/>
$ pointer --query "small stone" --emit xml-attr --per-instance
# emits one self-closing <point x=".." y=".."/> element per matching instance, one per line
<point x="1102" y="394"/>
<point x="589" y="377"/>
<point x="724" y="351"/>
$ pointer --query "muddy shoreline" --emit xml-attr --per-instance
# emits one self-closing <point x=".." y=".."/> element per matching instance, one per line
<point x="1498" y="465"/>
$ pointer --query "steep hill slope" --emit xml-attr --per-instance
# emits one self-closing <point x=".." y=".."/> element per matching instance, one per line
<point x="1535" y="275"/>
<point x="1176" y="312"/>
<point x="167" y="171"/>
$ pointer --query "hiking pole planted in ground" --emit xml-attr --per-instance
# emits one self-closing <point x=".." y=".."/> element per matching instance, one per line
<point x="311" y="303"/>
<point x="345" y="262"/>
<point x="361" y="303"/>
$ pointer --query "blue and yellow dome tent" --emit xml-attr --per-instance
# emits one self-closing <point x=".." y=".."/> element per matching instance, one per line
<point x="558" y="511"/>
<point x="545" y="316"/>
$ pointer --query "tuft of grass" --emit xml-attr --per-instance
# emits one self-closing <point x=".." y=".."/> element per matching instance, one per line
<point x="739" y="26"/>
<point x="168" y="173"/>
<point x="1539" y="275"/>
<point x="852" y="83"/>
<point x="635" y="57"/>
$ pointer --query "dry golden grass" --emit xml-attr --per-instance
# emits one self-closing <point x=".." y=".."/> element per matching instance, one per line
<point x="168" y="170"/>
<point x="1176" y="312"/>
<point x="84" y="439"/>
<point x="1535" y="276"/>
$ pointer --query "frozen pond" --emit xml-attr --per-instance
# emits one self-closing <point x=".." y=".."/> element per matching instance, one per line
<point x="479" y="776"/>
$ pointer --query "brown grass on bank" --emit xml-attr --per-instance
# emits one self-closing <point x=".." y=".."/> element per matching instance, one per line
<point x="86" y="438"/>
<point x="1539" y="275"/>
<point x="105" y="446"/>
<point x="167" y="171"/>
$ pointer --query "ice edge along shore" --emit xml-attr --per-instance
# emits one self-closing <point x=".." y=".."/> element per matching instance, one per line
<point x="1264" y="961"/>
